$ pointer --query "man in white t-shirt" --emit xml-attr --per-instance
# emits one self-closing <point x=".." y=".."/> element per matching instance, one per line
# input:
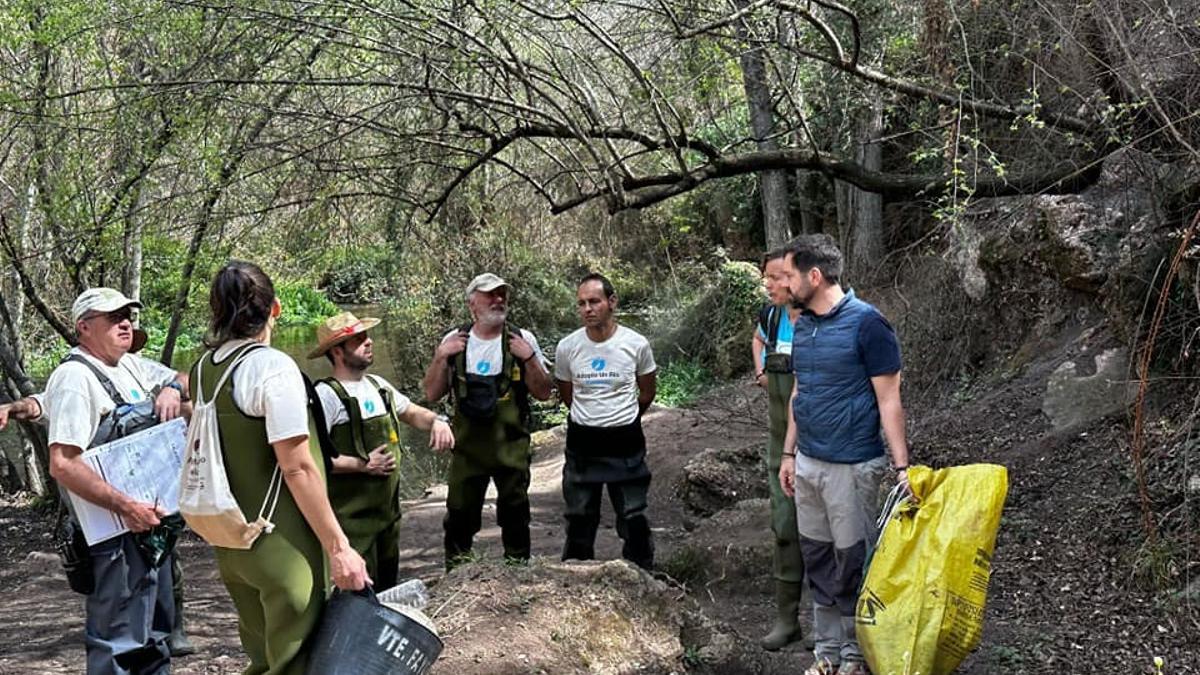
<point x="490" y="369"/>
<point x="363" y="415"/>
<point x="130" y="613"/>
<point x="607" y="376"/>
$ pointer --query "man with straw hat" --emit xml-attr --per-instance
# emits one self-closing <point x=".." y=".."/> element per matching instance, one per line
<point x="363" y="415"/>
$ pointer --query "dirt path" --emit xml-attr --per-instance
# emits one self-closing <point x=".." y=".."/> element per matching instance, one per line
<point x="41" y="620"/>
<point x="1062" y="598"/>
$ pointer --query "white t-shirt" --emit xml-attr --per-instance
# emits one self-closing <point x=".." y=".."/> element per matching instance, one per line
<point x="486" y="357"/>
<point x="603" y="375"/>
<point x="268" y="384"/>
<point x="75" y="401"/>
<point x="366" y="392"/>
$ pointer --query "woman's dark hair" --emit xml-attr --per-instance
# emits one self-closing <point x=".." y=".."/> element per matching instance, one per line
<point x="240" y="300"/>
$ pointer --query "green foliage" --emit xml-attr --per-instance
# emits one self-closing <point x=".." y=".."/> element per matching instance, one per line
<point x="548" y="414"/>
<point x="302" y="304"/>
<point x="687" y="565"/>
<point x="415" y="324"/>
<point x="162" y="275"/>
<point x="693" y="657"/>
<point x="715" y="330"/>
<point x="1158" y="565"/>
<point x="681" y="382"/>
<point x="359" y="276"/>
<point x="42" y="362"/>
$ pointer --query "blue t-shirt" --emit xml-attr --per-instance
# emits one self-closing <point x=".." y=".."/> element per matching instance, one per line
<point x="783" y="336"/>
<point x="878" y="347"/>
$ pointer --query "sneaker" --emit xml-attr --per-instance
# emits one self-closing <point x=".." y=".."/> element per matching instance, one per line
<point x="821" y="667"/>
<point x="853" y="668"/>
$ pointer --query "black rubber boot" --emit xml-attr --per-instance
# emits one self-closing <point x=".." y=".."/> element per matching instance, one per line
<point x="639" y="543"/>
<point x="787" y="625"/>
<point x="178" y="641"/>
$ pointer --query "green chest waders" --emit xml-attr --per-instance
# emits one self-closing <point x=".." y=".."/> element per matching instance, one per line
<point x="491" y="442"/>
<point x="368" y="507"/>
<point x="788" y="561"/>
<point x="278" y="586"/>
<point x="789" y="566"/>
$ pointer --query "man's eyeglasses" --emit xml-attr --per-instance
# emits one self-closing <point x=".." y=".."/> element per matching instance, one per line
<point x="115" y="316"/>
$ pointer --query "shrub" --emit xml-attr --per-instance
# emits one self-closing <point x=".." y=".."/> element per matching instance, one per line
<point x="681" y="382"/>
<point x="714" y="330"/>
<point x="359" y="278"/>
<point x="302" y="304"/>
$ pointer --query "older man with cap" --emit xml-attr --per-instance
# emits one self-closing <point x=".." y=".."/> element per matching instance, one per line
<point x="130" y="611"/>
<point x="490" y="368"/>
<point x="363" y="414"/>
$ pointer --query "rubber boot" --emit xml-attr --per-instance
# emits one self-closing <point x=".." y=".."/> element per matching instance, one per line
<point x="178" y="641"/>
<point x="787" y="625"/>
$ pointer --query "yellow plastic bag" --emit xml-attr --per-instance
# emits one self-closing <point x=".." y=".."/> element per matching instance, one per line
<point x="921" y="607"/>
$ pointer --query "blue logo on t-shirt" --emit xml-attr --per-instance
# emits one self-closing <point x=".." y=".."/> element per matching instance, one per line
<point x="483" y="367"/>
<point x="135" y="394"/>
<point x="598" y="364"/>
<point x="369" y="406"/>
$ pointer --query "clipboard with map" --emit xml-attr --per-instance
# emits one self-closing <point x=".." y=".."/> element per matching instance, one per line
<point x="146" y="466"/>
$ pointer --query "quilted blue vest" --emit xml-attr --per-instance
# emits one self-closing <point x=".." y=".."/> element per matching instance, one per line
<point x="837" y="416"/>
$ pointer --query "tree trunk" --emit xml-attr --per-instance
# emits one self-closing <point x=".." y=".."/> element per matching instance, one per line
<point x="860" y="213"/>
<point x="772" y="184"/>
<point x="806" y="197"/>
<point x="131" y="276"/>
<point x="234" y="157"/>
<point x="869" y="247"/>
<point x="16" y="383"/>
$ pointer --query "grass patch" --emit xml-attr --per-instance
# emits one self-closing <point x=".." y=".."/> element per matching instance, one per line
<point x="681" y="383"/>
<point x="686" y="565"/>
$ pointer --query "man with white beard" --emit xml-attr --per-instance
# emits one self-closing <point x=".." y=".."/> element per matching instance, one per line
<point x="490" y="368"/>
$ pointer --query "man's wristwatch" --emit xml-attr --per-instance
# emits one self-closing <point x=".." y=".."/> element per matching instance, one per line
<point x="442" y="418"/>
<point x="174" y="384"/>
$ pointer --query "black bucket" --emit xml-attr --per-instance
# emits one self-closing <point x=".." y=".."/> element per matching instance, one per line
<point x="360" y="636"/>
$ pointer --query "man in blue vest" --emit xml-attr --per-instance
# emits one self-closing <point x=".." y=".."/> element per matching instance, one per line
<point x="846" y="361"/>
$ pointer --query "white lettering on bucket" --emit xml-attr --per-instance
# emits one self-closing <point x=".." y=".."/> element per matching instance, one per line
<point x="396" y="645"/>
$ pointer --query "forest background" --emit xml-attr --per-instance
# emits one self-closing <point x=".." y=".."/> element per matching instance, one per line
<point x="383" y="153"/>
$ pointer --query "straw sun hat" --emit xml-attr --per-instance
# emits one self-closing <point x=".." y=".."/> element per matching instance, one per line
<point x="339" y="328"/>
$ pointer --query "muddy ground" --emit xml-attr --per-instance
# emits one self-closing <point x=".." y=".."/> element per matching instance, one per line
<point x="1064" y="598"/>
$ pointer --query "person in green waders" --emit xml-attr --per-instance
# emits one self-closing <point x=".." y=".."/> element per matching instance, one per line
<point x="772" y="349"/>
<point x="279" y="584"/>
<point x="490" y="368"/>
<point x="363" y="413"/>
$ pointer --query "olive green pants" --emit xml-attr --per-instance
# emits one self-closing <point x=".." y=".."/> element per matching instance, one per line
<point x="789" y="564"/>
<point x="278" y="588"/>
<point x="381" y="551"/>
<point x="467" y="487"/>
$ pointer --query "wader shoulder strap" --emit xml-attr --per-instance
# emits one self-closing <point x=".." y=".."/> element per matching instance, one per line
<point x="521" y="389"/>
<point x="458" y="369"/>
<point x="105" y="381"/>
<point x="328" y="449"/>
<point x="352" y="411"/>
<point x="773" y="327"/>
